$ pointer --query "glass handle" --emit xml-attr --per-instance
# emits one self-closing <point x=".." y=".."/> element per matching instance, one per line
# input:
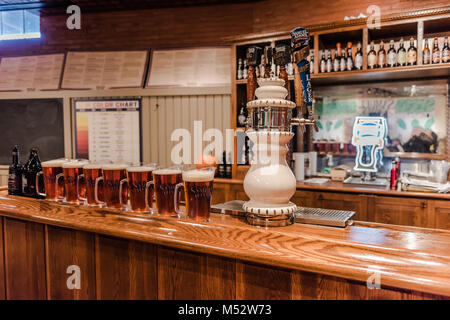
<point x="176" y="199"/>
<point x="58" y="177"/>
<point x="37" y="184"/>
<point x="147" y="186"/>
<point x="78" y="187"/>
<point x="120" y="191"/>
<point x="96" y="190"/>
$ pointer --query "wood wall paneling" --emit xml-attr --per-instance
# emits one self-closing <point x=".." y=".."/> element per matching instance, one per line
<point x="67" y="247"/>
<point x="2" y="265"/>
<point x="24" y="260"/>
<point x="125" y="269"/>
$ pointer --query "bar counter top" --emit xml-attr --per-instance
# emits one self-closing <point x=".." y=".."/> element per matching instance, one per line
<point x="335" y="186"/>
<point x="407" y="257"/>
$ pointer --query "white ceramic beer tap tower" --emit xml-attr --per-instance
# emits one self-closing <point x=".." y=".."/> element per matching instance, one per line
<point x="270" y="183"/>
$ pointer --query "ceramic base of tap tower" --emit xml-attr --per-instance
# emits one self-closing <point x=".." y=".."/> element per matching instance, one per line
<point x="269" y="215"/>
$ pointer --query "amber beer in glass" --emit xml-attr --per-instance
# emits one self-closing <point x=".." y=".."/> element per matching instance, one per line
<point x="140" y="182"/>
<point x="112" y="175"/>
<point x="165" y="181"/>
<point x="50" y="170"/>
<point x="198" y="188"/>
<point x="71" y="170"/>
<point x="91" y="172"/>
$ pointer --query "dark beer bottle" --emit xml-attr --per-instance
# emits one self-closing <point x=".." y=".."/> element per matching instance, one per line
<point x="221" y="173"/>
<point x="15" y="174"/>
<point x="31" y="168"/>
<point x="228" y="167"/>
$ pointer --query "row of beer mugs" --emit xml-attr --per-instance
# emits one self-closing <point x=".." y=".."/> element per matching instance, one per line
<point x="131" y="187"/>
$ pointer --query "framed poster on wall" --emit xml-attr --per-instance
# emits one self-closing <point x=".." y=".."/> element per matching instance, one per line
<point x="108" y="129"/>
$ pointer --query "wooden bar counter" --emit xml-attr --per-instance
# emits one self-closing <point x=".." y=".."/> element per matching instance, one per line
<point x="130" y="256"/>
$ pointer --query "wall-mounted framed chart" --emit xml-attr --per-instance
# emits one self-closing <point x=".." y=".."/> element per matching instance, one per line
<point x="108" y="129"/>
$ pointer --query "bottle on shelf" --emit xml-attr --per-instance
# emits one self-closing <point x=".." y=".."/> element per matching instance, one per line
<point x="392" y="55"/>
<point x="394" y="175"/>
<point x="381" y="56"/>
<point x="343" y="60"/>
<point x="15" y="174"/>
<point x="245" y="72"/>
<point x="311" y="63"/>
<point x="372" y="57"/>
<point x="262" y="67"/>
<point x="221" y="169"/>
<point x="412" y="53"/>
<point x="401" y="54"/>
<point x="329" y="62"/>
<point x="228" y="171"/>
<point x="358" y="57"/>
<point x="436" y="55"/>
<point x="242" y="117"/>
<point x="337" y="58"/>
<point x="350" y="63"/>
<point x="240" y="74"/>
<point x="30" y="169"/>
<point x="445" y="52"/>
<point x="426" y="53"/>
<point x="323" y="63"/>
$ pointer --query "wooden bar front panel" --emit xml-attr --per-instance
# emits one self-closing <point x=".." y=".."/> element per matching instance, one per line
<point x="65" y="248"/>
<point x="2" y="265"/>
<point x="125" y="269"/>
<point x="24" y="260"/>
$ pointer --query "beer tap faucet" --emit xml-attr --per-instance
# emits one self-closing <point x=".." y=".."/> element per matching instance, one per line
<point x="253" y="56"/>
<point x="302" y="76"/>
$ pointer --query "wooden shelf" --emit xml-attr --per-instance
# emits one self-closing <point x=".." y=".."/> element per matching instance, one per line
<point x="416" y="155"/>
<point x="385" y="74"/>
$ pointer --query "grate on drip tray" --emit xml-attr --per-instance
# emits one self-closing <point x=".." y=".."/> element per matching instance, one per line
<point x="325" y="217"/>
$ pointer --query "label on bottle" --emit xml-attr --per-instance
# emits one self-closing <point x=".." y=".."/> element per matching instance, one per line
<point x="13" y="184"/>
<point x="426" y="57"/>
<point x="401" y="58"/>
<point x="445" y="55"/>
<point x="412" y="57"/>
<point x="392" y="59"/>
<point x="329" y="66"/>
<point x="358" y="62"/>
<point x="311" y="67"/>
<point x="372" y="60"/>
<point x="349" y="63"/>
<point x="336" y="65"/>
<point x="24" y="184"/>
<point x="343" y="63"/>
<point x="436" y="56"/>
<point x="381" y="59"/>
<point x="323" y="66"/>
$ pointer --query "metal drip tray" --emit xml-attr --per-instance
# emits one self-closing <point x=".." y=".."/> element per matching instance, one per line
<point x="359" y="182"/>
<point x="325" y="217"/>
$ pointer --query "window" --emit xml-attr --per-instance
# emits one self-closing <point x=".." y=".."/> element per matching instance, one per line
<point x="19" y="24"/>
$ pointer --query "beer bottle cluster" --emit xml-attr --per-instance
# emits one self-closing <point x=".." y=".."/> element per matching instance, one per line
<point x="438" y="54"/>
<point x="395" y="55"/>
<point x="341" y="59"/>
<point x="22" y="177"/>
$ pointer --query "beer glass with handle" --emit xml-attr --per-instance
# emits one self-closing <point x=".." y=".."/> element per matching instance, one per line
<point x="71" y="170"/>
<point x="91" y="171"/>
<point x="112" y="175"/>
<point x="198" y="188"/>
<point x="50" y="170"/>
<point x="165" y="181"/>
<point x="139" y="180"/>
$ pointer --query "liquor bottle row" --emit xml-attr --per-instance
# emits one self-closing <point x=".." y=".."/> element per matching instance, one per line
<point x="440" y="52"/>
<point x="393" y="57"/>
<point x="22" y="178"/>
<point x="242" y="69"/>
<point x="340" y="59"/>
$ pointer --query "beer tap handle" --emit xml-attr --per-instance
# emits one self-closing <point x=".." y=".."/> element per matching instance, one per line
<point x="281" y="57"/>
<point x="253" y="56"/>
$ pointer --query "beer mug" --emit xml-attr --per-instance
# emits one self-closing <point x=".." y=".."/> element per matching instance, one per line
<point x="164" y="181"/>
<point x="71" y="170"/>
<point x="112" y="175"/>
<point x="198" y="188"/>
<point x="50" y="170"/>
<point x="91" y="172"/>
<point x="139" y="180"/>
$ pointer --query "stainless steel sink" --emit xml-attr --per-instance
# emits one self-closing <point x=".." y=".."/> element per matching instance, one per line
<point x="359" y="182"/>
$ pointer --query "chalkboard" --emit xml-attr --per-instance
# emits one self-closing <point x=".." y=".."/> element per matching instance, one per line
<point x="31" y="123"/>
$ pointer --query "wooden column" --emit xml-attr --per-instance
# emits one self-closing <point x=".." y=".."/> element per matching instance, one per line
<point x="2" y="264"/>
